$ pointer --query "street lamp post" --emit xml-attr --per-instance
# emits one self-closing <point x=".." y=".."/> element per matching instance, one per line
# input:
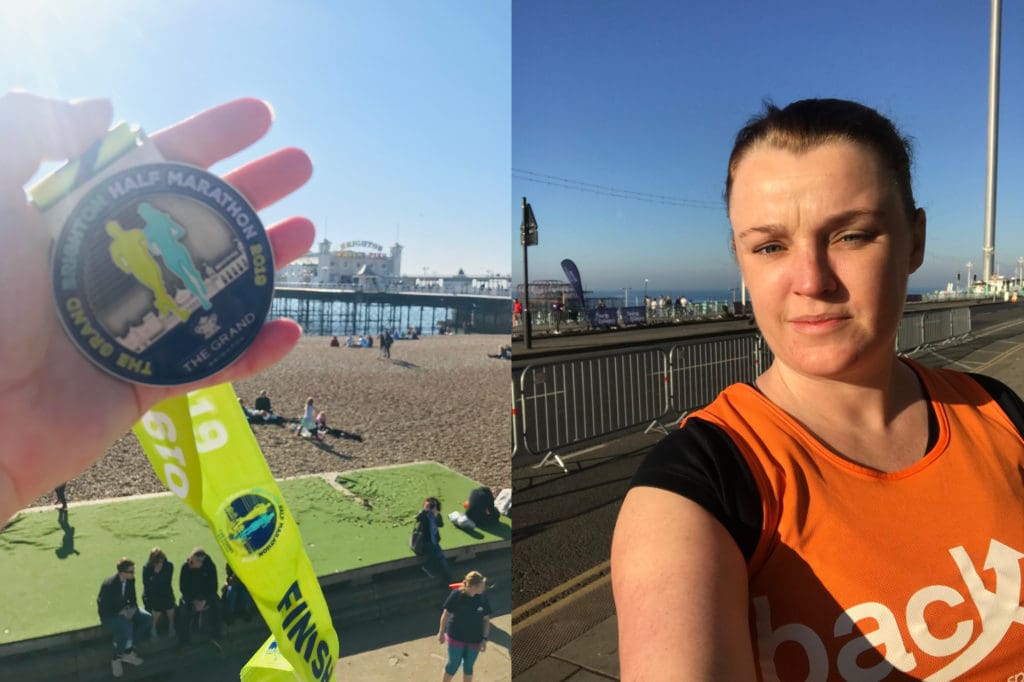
<point x="645" y="289"/>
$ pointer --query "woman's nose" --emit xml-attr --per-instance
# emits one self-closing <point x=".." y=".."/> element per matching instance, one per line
<point x="813" y="273"/>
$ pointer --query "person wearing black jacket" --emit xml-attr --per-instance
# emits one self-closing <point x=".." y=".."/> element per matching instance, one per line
<point x="480" y="507"/>
<point x="428" y="521"/>
<point x="120" y="613"/>
<point x="200" y="605"/>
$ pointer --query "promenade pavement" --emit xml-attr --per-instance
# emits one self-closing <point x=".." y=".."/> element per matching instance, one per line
<point x="399" y="648"/>
<point x="569" y="634"/>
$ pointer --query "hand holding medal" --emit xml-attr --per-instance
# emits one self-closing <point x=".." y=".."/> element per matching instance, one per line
<point x="61" y="409"/>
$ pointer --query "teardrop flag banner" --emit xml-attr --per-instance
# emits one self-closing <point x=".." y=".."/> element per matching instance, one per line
<point x="572" y="274"/>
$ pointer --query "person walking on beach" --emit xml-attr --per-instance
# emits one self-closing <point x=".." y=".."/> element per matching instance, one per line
<point x="120" y="613"/>
<point x="62" y="498"/>
<point x="465" y="625"/>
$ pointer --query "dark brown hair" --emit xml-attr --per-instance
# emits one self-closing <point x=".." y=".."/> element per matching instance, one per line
<point x="809" y="123"/>
<point x="124" y="563"/>
<point x="155" y="555"/>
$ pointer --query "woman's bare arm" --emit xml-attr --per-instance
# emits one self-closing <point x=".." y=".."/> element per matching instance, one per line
<point x="680" y="585"/>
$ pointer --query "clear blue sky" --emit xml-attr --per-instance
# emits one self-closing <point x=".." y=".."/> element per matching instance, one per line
<point x="403" y="105"/>
<point x="647" y="95"/>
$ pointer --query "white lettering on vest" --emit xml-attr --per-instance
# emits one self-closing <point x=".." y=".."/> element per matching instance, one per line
<point x="997" y="610"/>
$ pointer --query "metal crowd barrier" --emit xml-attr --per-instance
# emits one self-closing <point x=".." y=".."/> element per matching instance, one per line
<point x="933" y="326"/>
<point x="563" y="402"/>
<point x="700" y="369"/>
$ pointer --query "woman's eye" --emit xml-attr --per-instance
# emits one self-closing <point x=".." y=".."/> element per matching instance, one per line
<point x="855" y="237"/>
<point x="767" y="249"/>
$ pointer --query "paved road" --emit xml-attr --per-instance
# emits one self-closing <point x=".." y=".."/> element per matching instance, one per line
<point x="400" y="647"/>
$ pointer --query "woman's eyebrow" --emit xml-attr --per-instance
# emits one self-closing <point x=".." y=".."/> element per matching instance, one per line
<point x="832" y="222"/>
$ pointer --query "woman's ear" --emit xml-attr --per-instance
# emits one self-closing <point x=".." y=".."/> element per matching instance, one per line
<point x="918" y="233"/>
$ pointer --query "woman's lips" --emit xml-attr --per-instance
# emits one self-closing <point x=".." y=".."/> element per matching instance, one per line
<point x="819" y="323"/>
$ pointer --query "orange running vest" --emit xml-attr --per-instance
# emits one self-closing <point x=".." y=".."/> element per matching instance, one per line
<point x="863" y="575"/>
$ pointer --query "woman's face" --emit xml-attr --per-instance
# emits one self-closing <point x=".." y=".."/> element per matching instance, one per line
<point x="825" y="247"/>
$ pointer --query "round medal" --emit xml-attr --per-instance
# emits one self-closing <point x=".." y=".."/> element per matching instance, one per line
<point x="162" y="274"/>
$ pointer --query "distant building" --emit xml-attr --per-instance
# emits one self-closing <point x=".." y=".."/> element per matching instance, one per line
<point x="368" y="266"/>
<point x="365" y="266"/>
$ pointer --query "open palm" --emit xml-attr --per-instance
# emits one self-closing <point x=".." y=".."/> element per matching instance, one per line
<point x="58" y="411"/>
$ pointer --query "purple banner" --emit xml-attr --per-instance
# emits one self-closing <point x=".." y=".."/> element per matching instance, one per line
<point x="634" y="315"/>
<point x="572" y="274"/>
<point x="608" y="317"/>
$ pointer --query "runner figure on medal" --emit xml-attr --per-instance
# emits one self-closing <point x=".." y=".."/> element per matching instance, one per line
<point x="130" y="253"/>
<point x="163" y="235"/>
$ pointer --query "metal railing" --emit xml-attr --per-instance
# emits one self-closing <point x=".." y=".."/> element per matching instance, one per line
<point x="699" y="370"/>
<point x="933" y="326"/>
<point x="565" y="401"/>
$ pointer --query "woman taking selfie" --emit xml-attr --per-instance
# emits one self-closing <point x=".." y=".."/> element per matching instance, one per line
<point x="851" y="514"/>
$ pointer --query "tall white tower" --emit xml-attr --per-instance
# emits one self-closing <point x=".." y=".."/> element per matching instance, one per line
<point x="396" y="260"/>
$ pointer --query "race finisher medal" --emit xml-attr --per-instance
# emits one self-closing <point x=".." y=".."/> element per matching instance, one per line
<point x="162" y="272"/>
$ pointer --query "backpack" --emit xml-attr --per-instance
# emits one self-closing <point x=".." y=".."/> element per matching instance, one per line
<point x="418" y="541"/>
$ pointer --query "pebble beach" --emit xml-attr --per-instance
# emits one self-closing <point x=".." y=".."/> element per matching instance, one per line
<point x="438" y="398"/>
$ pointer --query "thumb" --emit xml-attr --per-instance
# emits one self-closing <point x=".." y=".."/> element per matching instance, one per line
<point x="41" y="129"/>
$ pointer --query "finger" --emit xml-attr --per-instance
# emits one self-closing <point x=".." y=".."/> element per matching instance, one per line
<point x="36" y="129"/>
<point x="290" y="239"/>
<point x="216" y="133"/>
<point x="272" y="177"/>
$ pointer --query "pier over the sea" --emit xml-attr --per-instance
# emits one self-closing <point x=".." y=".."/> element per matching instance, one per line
<point x="325" y="311"/>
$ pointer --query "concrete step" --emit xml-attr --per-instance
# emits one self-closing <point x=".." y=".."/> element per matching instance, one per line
<point x="355" y="598"/>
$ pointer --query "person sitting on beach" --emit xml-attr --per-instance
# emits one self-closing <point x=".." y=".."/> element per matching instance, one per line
<point x="307" y="425"/>
<point x="350" y="342"/>
<point x="323" y="429"/>
<point x="480" y="507"/>
<point x="120" y="613"/>
<point x="504" y="353"/>
<point x="261" y="410"/>
<point x="334" y="342"/>
<point x="250" y="415"/>
<point x="262" y="404"/>
<point x="199" y="606"/>
<point x="157" y="593"/>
